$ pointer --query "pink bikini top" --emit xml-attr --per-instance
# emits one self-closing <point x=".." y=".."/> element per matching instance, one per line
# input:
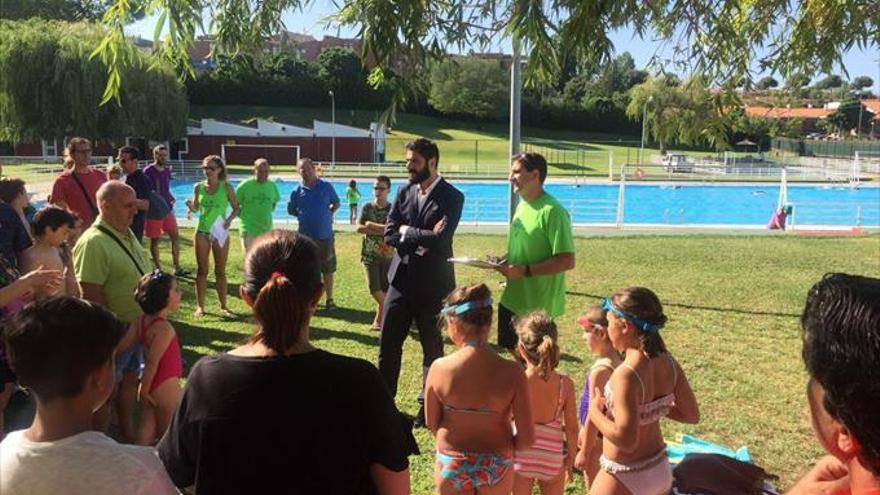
<point x="649" y="412"/>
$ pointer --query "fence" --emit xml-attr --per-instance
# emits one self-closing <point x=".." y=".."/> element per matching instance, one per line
<point x="841" y="149"/>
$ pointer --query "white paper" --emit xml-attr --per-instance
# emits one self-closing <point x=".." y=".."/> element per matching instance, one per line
<point x="474" y="262"/>
<point x="219" y="232"/>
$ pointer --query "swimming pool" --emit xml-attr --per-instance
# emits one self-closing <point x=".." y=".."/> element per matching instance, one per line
<point x="673" y="204"/>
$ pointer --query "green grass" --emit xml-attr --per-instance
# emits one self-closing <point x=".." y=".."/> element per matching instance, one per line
<point x="472" y="147"/>
<point x="732" y="304"/>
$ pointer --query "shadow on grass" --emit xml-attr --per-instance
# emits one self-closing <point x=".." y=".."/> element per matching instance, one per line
<point x="215" y="339"/>
<point x="320" y="333"/>
<point x="704" y="308"/>
<point x="571" y="166"/>
<point x="350" y="315"/>
<point x="553" y="144"/>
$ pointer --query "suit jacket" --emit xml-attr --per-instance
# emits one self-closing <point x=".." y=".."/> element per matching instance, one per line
<point x="428" y="277"/>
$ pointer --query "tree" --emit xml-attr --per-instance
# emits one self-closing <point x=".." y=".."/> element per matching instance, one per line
<point x="861" y="82"/>
<point x="830" y="82"/>
<point x="718" y="38"/>
<point x="767" y="83"/>
<point x="846" y="117"/>
<point x="51" y="88"/>
<point x="62" y="10"/>
<point x="797" y="81"/>
<point x="469" y="86"/>
<point x="676" y="112"/>
<point x="342" y="72"/>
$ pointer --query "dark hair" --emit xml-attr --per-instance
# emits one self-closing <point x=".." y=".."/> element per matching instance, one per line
<point x="477" y="319"/>
<point x="539" y="336"/>
<point x="531" y="162"/>
<point x="597" y="315"/>
<point x="642" y="303"/>
<point x="385" y="179"/>
<point x="53" y="217"/>
<point x="426" y="148"/>
<point x="153" y="290"/>
<point x="216" y="160"/>
<point x="841" y="337"/>
<point x="352" y="183"/>
<point x="10" y="188"/>
<point x="282" y="276"/>
<point x="131" y="151"/>
<point x="53" y="344"/>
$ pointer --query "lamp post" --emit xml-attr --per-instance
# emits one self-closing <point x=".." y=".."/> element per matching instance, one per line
<point x="644" y="118"/>
<point x="333" y="128"/>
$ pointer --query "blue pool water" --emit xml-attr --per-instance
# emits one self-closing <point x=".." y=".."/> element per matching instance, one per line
<point x="645" y="204"/>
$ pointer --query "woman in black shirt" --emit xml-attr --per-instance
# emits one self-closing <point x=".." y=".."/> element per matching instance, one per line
<point x="277" y="415"/>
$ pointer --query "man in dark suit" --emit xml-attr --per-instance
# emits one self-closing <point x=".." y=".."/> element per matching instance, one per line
<point x="420" y="226"/>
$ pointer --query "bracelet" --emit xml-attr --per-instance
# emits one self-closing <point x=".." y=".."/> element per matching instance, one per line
<point x="528" y="270"/>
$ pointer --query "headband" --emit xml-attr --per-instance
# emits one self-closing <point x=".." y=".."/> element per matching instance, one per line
<point x="642" y="325"/>
<point x="464" y="307"/>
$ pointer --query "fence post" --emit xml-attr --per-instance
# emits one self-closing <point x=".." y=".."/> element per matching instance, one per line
<point x="620" y="199"/>
<point x="477" y="213"/>
<point x="611" y="165"/>
<point x="476" y="156"/>
<point x="858" y="216"/>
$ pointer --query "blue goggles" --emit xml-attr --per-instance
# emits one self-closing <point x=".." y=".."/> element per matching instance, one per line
<point x="462" y="308"/>
<point x="645" y="326"/>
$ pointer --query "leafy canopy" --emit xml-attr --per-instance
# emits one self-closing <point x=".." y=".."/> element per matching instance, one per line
<point x="720" y="40"/>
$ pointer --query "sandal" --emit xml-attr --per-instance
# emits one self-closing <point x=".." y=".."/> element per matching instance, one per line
<point x="229" y="315"/>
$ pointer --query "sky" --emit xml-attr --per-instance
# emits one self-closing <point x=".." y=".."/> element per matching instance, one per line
<point x="858" y="62"/>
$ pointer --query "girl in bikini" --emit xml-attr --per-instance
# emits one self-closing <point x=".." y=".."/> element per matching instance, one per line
<point x="158" y="295"/>
<point x="647" y="386"/>
<point x="470" y="398"/>
<point x="595" y="324"/>
<point x="554" y="410"/>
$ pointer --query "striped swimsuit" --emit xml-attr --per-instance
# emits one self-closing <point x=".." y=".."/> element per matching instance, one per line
<point x="546" y="458"/>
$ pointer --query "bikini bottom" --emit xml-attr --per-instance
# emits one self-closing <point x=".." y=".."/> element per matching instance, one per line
<point x="472" y="470"/>
<point x="651" y="476"/>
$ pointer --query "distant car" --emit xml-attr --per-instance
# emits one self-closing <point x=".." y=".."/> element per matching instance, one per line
<point x="677" y="163"/>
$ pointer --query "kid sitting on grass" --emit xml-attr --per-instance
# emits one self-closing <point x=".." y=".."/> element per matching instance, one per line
<point x="158" y="295"/>
<point x="470" y="397"/>
<point x="595" y="324"/>
<point x="61" y="348"/>
<point x="554" y="411"/>
<point x="647" y="386"/>
<point x="52" y="226"/>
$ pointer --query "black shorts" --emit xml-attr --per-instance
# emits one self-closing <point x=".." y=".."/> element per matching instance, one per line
<point x="327" y="254"/>
<point x="506" y="333"/>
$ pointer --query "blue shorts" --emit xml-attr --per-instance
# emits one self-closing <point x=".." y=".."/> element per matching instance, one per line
<point x="129" y="361"/>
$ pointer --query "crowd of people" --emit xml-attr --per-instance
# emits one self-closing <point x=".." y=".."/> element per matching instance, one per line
<point x="87" y="321"/>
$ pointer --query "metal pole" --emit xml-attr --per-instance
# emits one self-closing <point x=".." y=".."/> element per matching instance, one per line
<point x="644" y="118"/>
<point x="515" y="95"/>
<point x="333" y="127"/>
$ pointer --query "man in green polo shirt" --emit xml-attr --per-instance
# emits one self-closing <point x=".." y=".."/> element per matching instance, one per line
<point x="540" y="249"/>
<point x="257" y="198"/>
<point x="109" y="261"/>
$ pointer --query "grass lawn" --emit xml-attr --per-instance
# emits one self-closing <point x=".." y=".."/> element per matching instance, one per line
<point x="473" y="147"/>
<point x="733" y="306"/>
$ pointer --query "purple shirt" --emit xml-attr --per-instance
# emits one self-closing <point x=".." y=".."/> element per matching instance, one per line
<point x="161" y="181"/>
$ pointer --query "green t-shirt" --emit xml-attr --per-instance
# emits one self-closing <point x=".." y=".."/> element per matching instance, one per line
<point x="539" y="230"/>
<point x="99" y="260"/>
<point x="352" y="195"/>
<point x="257" y="202"/>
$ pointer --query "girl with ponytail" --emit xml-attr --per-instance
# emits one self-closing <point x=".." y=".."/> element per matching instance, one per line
<point x="294" y="415"/>
<point x="553" y="406"/>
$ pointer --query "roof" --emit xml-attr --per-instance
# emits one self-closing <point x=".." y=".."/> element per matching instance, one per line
<point x="872" y="105"/>
<point x="788" y="113"/>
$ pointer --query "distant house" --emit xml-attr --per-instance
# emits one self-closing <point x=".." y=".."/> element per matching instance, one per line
<point x="809" y="117"/>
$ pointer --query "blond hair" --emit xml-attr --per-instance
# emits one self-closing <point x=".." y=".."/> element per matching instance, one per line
<point x="538" y="337"/>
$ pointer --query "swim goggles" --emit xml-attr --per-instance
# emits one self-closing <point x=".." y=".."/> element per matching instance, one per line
<point x="645" y="326"/>
<point x="464" y="307"/>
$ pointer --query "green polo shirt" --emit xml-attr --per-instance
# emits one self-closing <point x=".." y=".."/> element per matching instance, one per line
<point x="539" y="230"/>
<point x="99" y="260"/>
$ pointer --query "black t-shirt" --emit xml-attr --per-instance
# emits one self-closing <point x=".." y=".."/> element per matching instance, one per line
<point x="142" y="188"/>
<point x="309" y="423"/>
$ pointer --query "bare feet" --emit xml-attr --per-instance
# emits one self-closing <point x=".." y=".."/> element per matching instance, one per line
<point x="199" y="312"/>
